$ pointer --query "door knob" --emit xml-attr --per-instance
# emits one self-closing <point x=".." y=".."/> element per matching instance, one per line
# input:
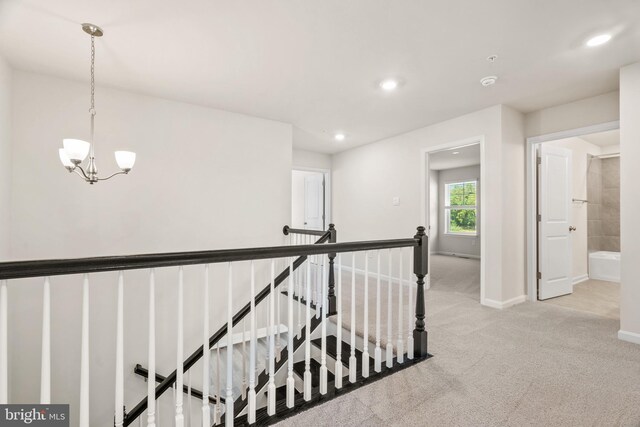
<point x="572" y="228"/>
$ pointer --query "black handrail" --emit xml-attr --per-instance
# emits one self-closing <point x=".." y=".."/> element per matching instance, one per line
<point x="42" y="268"/>
<point x="277" y="252"/>
<point x="261" y="253"/>
<point x="288" y="230"/>
<point x="56" y="267"/>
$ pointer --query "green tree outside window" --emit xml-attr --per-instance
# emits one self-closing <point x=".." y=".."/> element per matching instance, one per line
<point x="461" y="207"/>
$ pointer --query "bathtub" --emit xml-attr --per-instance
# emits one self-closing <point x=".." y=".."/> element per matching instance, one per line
<point x="604" y="265"/>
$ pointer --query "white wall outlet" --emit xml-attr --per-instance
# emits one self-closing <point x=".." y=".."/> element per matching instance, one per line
<point x="395" y="201"/>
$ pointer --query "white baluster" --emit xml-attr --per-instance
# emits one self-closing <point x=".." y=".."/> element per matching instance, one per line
<point x="299" y="293"/>
<point x="307" y="342"/>
<point x="323" y="339"/>
<point x="365" y="349"/>
<point x="266" y="306"/>
<point x="338" y="366"/>
<point x="179" y="416"/>
<point x="317" y="289"/>
<point x="252" y="350"/>
<point x="218" y="410"/>
<point x="243" y="387"/>
<point x="4" y="343"/>
<point x="410" y="311"/>
<point x="400" y="345"/>
<point x="278" y="342"/>
<point x="377" y="354"/>
<point x="151" y="384"/>
<point x="389" y="314"/>
<point x="353" y="362"/>
<point x="189" y="406"/>
<point x="271" y="389"/>
<point x="267" y="323"/>
<point x="290" y="381"/>
<point x="229" y="396"/>
<point x="84" y="356"/>
<point x="119" y="400"/>
<point x="206" y="356"/>
<point x="45" y="366"/>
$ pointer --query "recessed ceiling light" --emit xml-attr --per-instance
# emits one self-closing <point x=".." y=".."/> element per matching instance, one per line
<point x="339" y="137"/>
<point x="598" y="40"/>
<point x="489" y="80"/>
<point x="456" y="152"/>
<point x="389" y="85"/>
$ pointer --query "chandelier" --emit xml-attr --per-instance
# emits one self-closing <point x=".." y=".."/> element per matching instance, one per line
<point x="75" y="151"/>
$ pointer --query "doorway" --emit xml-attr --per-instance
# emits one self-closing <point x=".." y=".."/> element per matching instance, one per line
<point x="573" y="219"/>
<point x="310" y="199"/>
<point x="453" y="206"/>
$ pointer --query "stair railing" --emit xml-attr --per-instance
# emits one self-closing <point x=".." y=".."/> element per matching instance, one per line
<point x="293" y="255"/>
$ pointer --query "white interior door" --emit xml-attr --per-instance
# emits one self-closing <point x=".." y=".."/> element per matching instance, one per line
<point x="314" y="201"/>
<point x="554" y="234"/>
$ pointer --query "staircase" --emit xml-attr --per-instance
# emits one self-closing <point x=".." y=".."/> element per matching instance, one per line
<point x="290" y="348"/>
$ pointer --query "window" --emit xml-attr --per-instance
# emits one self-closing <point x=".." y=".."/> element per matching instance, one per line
<point x="460" y="210"/>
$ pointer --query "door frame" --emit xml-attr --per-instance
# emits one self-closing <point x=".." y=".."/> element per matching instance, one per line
<point x="425" y="198"/>
<point x="532" y="203"/>
<point x="327" y="191"/>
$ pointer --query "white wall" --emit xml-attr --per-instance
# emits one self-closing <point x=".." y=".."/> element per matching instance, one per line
<point x="5" y="157"/>
<point x="629" y="202"/>
<point x="580" y="150"/>
<point x="434" y="210"/>
<point x="513" y="202"/>
<point x="310" y="159"/>
<point x="573" y="115"/>
<point x="204" y="179"/>
<point x="451" y="243"/>
<point x="368" y="177"/>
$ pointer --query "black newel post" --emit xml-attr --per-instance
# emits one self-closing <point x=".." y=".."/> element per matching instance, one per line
<point x="332" y="279"/>
<point x="420" y="268"/>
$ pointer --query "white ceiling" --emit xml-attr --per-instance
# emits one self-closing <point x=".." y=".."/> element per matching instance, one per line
<point x="604" y="139"/>
<point x="445" y="159"/>
<point x="316" y="64"/>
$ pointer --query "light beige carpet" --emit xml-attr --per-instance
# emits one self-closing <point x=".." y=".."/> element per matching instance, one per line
<point x="533" y="364"/>
<point x="592" y="296"/>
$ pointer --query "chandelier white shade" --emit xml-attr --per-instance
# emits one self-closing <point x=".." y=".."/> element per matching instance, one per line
<point x="75" y="151"/>
<point x="125" y="159"/>
<point x="66" y="161"/>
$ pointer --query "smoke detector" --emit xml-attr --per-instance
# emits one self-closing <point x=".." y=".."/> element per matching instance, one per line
<point x="488" y="81"/>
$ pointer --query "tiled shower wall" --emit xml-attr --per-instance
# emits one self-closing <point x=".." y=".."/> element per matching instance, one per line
<point x="603" y="193"/>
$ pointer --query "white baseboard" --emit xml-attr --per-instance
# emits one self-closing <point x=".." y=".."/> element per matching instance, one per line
<point x="579" y="279"/>
<point x="631" y="337"/>
<point x="504" y="304"/>
<point x="457" y="254"/>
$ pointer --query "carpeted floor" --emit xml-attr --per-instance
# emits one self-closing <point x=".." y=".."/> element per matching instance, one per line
<point x="592" y="296"/>
<point x="532" y="364"/>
